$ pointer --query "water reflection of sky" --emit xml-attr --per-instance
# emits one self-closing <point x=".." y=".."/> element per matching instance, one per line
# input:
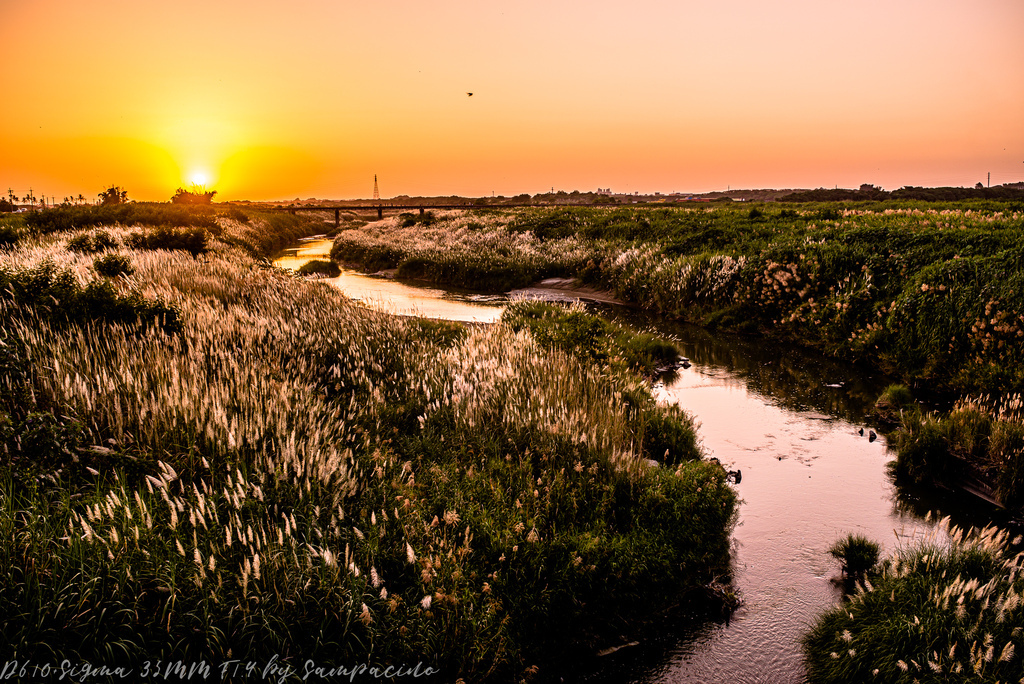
<point x="387" y="294"/>
<point x="414" y="299"/>
<point x="809" y="477"/>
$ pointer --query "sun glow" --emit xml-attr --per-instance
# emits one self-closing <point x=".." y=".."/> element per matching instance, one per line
<point x="199" y="178"/>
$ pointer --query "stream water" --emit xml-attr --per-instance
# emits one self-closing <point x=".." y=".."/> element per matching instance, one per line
<point x="791" y="422"/>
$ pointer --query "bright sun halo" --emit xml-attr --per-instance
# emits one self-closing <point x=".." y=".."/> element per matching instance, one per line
<point x="199" y="178"/>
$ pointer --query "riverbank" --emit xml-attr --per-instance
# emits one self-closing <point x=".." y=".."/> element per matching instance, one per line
<point x="321" y="481"/>
<point x="977" y="446"/>
<point x="929" y="292"/>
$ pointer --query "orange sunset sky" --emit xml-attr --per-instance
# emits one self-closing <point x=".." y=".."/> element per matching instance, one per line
<point x="273" y="100"/>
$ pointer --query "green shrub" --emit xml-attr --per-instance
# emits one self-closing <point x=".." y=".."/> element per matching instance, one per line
<point x="113" y="265"/>
<point x="409" y="220"/>
<point x="319" y="267"/>
<point x="102" y="240"/>
<point x="82" y="243"/>
<point x="895" y="397"/>
<point x="891" y="403"/>
<point x="371" y="259"/>
<point x="57" y="296"/>
<point x="90" y="242"/>
<point x="923" y="450"/>
<point x="970" y="442"/>
<point x="857" y="553"/>
<point x="945" y="611"/>
<point x="191" y="240"/>
<point x="9" y="235"/>
<point x="586" y="335"/>
<point x="1006" y="456"/>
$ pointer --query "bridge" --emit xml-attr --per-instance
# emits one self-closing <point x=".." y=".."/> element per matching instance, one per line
<point x="380" y="208"/>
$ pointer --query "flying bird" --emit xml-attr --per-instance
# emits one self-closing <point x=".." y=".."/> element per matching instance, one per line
<point x="470" y="94"/>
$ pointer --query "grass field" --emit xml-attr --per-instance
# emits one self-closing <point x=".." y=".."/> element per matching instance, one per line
<point x="930" y="292"/>
<point x="207" y="458"/>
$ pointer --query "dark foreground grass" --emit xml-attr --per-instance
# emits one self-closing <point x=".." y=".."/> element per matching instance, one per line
<point x="947" y="611"/>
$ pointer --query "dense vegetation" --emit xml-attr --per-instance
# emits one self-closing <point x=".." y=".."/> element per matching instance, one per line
<point x="574" y="330"/>
<point x="1012" y="192"/>
<point x="273" y="469"/>
<point x="65" y="218"/>
<point x="931" y="292"/>
<point x="945" y="611"/>
<point x="979" y="444"/>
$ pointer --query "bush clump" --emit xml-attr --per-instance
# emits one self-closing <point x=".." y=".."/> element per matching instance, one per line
<point x="890" y="405"/>
<point x="113" y="265"/>
<point x="979" y="444"/>
<point x="9" y="234"/>
<point x="90" y="242"/>
<point x="320" y="267"/>
<point x="57" y="296"/>
<point x="191" y="240"/>
<point x="857" y="553"/>
<point x="576" y="331"/>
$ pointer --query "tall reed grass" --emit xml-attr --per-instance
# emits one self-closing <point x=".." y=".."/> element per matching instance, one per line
<point x="945" y="610"/>
<point x="290" y="473"/>
<point x="982" y="439"/>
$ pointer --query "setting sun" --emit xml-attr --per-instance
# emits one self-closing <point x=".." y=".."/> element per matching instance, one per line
<point x="199" y="179"/>
<point x="307" y="102"/>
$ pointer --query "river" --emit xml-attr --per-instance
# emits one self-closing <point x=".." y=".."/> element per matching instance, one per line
<point x="792" y="423"/>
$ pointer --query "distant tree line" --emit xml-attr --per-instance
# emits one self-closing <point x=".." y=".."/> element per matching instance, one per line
<point x="869" y="193"/>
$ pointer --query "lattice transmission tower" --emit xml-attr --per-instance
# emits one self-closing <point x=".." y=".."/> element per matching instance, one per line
<point x="376" y="193"/>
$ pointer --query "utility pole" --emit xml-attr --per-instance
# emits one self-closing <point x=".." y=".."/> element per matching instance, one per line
<point x="990" y="179"/>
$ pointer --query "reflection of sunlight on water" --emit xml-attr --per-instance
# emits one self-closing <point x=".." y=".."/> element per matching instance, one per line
<point x="394" y="297"/>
